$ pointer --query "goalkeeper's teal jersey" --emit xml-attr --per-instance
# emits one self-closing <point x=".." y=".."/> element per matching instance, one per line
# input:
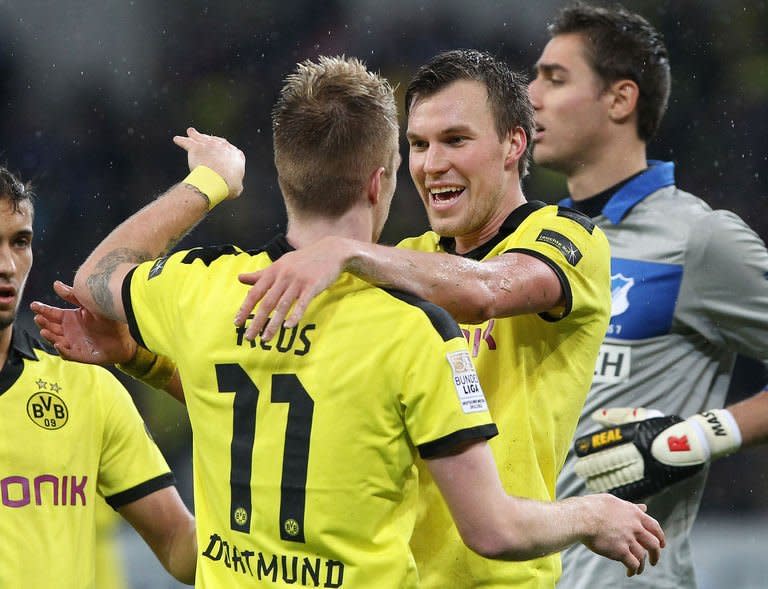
<point x="304" y="446"/>
<point x="68" y="433"/>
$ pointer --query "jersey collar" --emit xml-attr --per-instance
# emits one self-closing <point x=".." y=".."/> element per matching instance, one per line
<point x="510" y="224"/>
<point x="275" y="247"/>
<point x="22" y="346"/>
<point x="658" y="175"/>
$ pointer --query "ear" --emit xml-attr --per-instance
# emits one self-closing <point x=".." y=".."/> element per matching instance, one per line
<point x="517" y="144"/>
<point x="623" y="96"/>
<point x="373" y="187"/>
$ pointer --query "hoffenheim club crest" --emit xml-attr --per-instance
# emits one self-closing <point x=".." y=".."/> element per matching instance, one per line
<point x="620" y="286"/>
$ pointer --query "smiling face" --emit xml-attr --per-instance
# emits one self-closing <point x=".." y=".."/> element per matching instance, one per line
<point x="465" y="175"/>
<point x="15" y="256"/>
<point x="571" y="107"/>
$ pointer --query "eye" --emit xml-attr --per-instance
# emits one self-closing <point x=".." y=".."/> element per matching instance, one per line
<point x="417" y="144"/>
<point x="22" y="242"/>
<point x="456" y="140"/>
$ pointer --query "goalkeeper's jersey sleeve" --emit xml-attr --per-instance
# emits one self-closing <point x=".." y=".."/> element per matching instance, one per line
<point x="535" y="371"/>
<point x="70" y="432"/>
<point x="304" y="446"/>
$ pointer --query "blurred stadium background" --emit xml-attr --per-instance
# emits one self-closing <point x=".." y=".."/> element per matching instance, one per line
<point x="92" y="92"/>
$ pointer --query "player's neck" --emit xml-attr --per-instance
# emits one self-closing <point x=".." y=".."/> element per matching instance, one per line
<point x="611" y="167"/>
<point x="471" y="241"/>
<point x="356" y="223"/>
<point x="6" y="335"/>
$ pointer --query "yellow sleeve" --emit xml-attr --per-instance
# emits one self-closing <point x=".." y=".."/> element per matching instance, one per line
<point x="156" y="293"/>
<point x="576" y="250"/>
<point x="444" y="404"/>
<point x="131" y="464"/>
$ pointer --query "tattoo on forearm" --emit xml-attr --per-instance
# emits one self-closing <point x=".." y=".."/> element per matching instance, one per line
<point x="98" y="282"/>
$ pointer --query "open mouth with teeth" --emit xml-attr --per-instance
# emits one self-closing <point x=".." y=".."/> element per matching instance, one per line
<point x="445" y="195"/>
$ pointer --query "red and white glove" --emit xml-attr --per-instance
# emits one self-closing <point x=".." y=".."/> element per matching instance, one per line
<point x="643" y="452"/>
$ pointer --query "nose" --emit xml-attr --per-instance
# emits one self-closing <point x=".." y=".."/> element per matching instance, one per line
<point x="435" y="160"/>
<point x="7" y="261"/>
<point x="533" y="93"/>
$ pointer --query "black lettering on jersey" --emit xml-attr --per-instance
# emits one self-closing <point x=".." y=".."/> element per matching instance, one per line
<point x="441" y="320"/>
<point x="209" y="254"/>
<point x="561" y="242"/>
<point x="577" y="217"/>
<point x="289" y="568"/>
<point x="286" y="340"/>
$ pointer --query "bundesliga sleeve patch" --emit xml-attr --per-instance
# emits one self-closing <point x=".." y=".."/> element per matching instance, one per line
<point x="466" y="382"/>
<point x="561" y="242"/>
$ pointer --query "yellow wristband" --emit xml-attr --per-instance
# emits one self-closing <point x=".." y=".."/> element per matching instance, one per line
<point x="209" y="183"/>
<point x="149" y="368"/>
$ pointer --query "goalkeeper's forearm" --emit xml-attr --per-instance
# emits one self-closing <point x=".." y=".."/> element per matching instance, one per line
<point x="751" y="416"/>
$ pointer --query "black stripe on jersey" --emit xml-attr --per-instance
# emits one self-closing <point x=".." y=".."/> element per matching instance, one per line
<point x="140" y="491"/>
<point x="447" y="444"/>
<point x="209" y="253"/>
<point x="441" y="320"/>
<point x="576" y="217"/>
<point x="567" y="293"/>
<point x="130" y="316"/>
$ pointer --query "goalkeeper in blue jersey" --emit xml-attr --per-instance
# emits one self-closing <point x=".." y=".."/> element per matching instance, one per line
<point x="689" y="288"/>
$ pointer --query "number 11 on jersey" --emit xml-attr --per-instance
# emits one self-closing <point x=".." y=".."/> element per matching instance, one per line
<point x="286" y="388"/>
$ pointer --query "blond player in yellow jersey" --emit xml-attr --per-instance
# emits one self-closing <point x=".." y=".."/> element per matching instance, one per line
<point x="528" y="282"/>
<point x="305" y="445"/>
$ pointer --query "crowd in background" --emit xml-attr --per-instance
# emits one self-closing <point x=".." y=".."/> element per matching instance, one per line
<point x="93" y="93"/>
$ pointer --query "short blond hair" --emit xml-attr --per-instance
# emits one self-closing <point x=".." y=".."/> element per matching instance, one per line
<point x="334" y="124"/>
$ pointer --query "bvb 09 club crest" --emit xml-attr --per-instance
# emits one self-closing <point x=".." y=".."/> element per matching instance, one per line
<point x="47" y="409"/>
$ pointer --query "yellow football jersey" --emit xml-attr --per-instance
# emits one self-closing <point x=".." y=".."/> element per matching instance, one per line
<point x="69" y="431"/>
<point x="304" y="446"/>
<point x="536" y="371"/>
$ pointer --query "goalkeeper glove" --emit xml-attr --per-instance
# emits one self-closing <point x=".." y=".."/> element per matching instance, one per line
<point x="637" y="459"/>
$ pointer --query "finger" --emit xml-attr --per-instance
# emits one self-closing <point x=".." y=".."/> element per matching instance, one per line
<point x="262" y="312"/>
<point x="64" y="351"/>
<point x="654" y="553"/>
<point x="248" y="277"/>
<point x="51" y="313"/>
<point x="639" y="552"/>
<point x="50" y="326"/>
<point x="65" y="292"/>
<point x="278" y="315"/>
<point x="49" y="335"/>
<point x="631" y="562"/>
<point x="299" y="308"/>
<point x="654" y="527"/>
<point x="184" y="142"/>
<point x="255" y="293"/>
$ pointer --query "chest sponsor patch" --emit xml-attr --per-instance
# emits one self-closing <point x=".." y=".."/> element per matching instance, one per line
<point x="466" y="382"/>
<point x="614" y="364"/>
<point x="562" y="243"/>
